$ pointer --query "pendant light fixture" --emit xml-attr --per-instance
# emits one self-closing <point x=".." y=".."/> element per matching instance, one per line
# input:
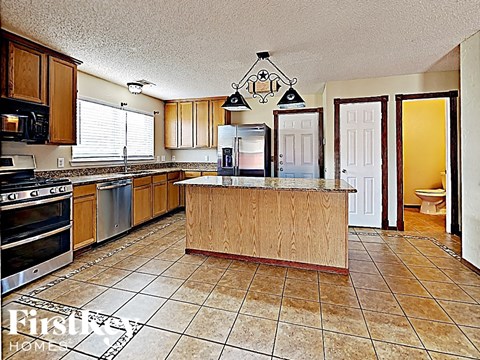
<point x="269" y="82"/>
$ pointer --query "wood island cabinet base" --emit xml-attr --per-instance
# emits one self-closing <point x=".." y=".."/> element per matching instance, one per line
<point x="307" y="229"/>
<point x="293" y="264"/>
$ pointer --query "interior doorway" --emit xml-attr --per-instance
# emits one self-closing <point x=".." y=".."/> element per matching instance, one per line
<point x="427" y="181"/>
<point x="361" y="157"/>
<point x="298" y="143"/>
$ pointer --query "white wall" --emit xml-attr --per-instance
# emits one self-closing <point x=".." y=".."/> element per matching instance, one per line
<point x="260" y="113"/>
<point x="94" y="88"/>
<point x="470" y="145"/>
<point x="414" y="83"/>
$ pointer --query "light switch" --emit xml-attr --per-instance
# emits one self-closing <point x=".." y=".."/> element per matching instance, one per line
<point x="60" y="162"/>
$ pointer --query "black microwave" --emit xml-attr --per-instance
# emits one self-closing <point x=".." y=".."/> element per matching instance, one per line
<point x="24" y="121"/>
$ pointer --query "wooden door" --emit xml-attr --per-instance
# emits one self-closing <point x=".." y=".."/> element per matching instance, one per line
<point x="160" y="202"/>
<point x="361" y="161"/>
<point x="142" y="204"/>
<point x="27" y="74"/>
<point x="185" y="114"/>
<point x="171" y="125"/>
<point x="173" y="195"/>
<point x="298" y="145"/>
<point x="218" y="116"/>
<point x="202" y="130"/>
<point x="84" y="221"/>
<point x="63" y="97"/>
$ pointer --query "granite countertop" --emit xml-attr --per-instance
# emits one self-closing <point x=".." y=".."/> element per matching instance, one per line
<point x="92" y="179"/>
<point x="322" y="185"/>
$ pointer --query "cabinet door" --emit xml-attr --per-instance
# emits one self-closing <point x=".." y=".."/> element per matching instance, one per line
<point x="142" y="204"/>
<point x="27" y="73"/>
<point x="171" y="125"/>
<point x="218" y="116"/>
<point x="186" y="124"/>
<point x="159" y="199"/>
<point x="201" y="123"/>
<point x="63" y="97"/>
<point x="173" y="196"/>
<point x="84" y="221"/>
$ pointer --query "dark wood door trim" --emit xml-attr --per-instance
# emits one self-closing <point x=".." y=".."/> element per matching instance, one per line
<point x="321" y="151"/>
<point x="453" y="124"/>
<point x="384" y="144"/>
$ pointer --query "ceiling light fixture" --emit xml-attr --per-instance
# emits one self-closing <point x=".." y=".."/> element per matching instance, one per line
<point x="264" y="84"/>
<point x="135" y="87"/>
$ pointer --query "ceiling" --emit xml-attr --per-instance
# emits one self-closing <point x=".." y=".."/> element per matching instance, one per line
<point x="196" y="48"/>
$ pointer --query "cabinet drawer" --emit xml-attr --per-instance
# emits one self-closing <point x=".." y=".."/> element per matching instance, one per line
<point x="83" y="190"/>
<point x="174" y="175"/>
<point x="192" y="174"/>
<point x="146" y="180"/>
<point x="159" y="178"/>
<point x="209" y="173"/>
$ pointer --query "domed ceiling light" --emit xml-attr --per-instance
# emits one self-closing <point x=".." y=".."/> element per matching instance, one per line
<point x="135" y="87"/>
<point x="264" y="84"/>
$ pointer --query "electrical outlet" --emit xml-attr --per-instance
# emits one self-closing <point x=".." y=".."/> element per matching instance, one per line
<point x="173" y="157"/>
<point x="207" y="157"/>
<point x="163" y="157"/>
<point x="158" y="158"/>
<point x="60" y="162"/>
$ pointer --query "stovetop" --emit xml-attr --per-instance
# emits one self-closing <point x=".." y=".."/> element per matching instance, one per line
<point x="8" y="185"/>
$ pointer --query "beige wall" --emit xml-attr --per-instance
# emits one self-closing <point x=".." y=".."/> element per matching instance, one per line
<point x="260" y="113"/>
<point x="470" y="145"/>
<point x="94" y="88"/>
<point x="424" y="146"/>
<point x="391" y="85"/>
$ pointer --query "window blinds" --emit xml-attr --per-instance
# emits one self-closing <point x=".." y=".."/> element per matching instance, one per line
<point x="104" y="130"/>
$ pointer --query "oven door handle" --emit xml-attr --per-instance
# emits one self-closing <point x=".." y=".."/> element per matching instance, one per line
<point x="38" y="237"/>
<point x="33" y="203"/>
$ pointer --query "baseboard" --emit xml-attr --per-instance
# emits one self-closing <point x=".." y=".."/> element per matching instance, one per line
<point x="392" y="228"/>
<point x="470" y="266"/>
<point x="412" y="206"/>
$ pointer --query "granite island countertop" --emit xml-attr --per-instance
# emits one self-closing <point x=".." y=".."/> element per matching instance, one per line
<point x="320" y="185"/>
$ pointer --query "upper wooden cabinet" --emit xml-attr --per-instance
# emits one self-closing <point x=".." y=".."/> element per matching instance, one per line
<point x="26" y="73"/>
<point x="63" y="95"/>
<point x="35" y="73"/>
<point x="194" y="123"/>
<point x="219" y="116"/>
<point x="185" y="121"/>
<point x="171" y="125"/>
<point x="201" y="124"/>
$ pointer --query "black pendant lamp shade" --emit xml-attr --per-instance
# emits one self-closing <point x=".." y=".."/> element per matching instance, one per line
<point x="236" y="102"/>
<point x="291" y="100"/>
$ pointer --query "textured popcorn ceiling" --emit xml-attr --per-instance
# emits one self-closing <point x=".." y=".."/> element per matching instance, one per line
<point x="194" y="48"/>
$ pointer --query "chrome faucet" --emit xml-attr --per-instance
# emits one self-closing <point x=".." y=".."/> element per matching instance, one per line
<point x="125" y="161"/>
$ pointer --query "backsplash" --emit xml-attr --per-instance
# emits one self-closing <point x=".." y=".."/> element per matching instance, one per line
<point x="201" y="166"/>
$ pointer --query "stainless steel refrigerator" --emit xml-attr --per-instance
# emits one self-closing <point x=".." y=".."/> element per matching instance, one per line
<point x="244" y="150"/>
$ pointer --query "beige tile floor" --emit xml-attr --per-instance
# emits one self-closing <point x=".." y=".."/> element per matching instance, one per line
<point x="431" y="225"/>
<point x="405" y="298"/>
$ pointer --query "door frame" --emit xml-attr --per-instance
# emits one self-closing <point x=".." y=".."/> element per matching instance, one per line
<point x="384" y="144"/>
<point x="321" y="143"/>
<point x="452" y="95"/>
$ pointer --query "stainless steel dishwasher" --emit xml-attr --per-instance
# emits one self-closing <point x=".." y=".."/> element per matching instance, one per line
<point x="114" y="208"/>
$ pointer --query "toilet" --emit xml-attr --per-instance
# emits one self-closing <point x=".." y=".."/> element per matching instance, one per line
<point x="433" y="200"/>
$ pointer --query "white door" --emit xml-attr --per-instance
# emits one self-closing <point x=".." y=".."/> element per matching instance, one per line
<point x="361" y="161"/>
<point x="298" y="145"/>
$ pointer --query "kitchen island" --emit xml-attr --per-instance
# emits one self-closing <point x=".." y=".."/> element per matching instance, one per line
<point x="293" y="222"/>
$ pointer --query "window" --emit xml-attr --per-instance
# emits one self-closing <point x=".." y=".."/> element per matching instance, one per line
<point x="104" y="130"/>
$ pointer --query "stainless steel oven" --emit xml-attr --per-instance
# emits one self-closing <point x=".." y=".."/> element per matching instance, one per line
<point x="36" y="228"/>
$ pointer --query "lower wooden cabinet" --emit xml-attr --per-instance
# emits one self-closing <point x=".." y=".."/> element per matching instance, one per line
<point x="160" y="195"/>
<point x="84" y="216"/>
<point x="173" y="190"/>
<point x="142" y="200"/>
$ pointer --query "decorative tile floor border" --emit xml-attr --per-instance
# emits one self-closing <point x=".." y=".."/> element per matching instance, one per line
<point x="416" y="237"/>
